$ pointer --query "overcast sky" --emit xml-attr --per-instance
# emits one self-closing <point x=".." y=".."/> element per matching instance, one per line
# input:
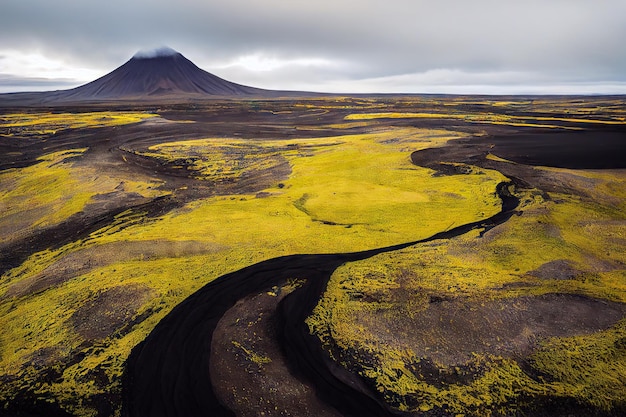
<point x="407" y="46"/>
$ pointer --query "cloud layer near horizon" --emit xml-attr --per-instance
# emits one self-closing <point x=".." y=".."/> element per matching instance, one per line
<point x="488" y="46"/>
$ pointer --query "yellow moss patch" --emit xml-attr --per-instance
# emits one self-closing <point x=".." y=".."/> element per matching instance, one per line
<point x="586" y="235"/>
<point x="344" y="193"/>
<point x="50" y="123"/>
<point x="46" y="189"/>
<point x="251" y="355"/>
<point x="591" y="367"/>
<point x="523" y="121"/>
<point x="52" y="190"/>
<point x="493" y="157"/>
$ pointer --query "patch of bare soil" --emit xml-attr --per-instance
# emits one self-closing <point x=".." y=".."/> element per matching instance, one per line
<point x="44" y="356"/>
<point x="558" y="269"/>
<point x="85" y="260"/>
<point x="18" y="225"/>
<point x="248" y="371"/>
<point x="108" y="311"/>
<point x="449" y="331"/>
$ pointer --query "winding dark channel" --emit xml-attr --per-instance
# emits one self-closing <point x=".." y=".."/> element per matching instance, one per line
<point x="168" y="373"/>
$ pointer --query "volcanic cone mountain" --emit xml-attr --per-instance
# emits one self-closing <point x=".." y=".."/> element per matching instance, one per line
<point x="163" y="72"/>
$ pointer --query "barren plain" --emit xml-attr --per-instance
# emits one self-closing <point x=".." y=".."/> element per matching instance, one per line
<point x="316" y="256"/>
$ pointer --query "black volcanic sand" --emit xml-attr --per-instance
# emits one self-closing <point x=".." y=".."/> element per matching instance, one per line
<point x="603" y="148"/>
<point x="249" y="374"/>
<point x="600" y="149"/>
<point x="597" y="149"/>
<point x="169" y="373"/>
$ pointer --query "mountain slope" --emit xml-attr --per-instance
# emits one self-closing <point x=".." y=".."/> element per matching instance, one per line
<point x="166" y="72"/>
<point x="163" y="74"/>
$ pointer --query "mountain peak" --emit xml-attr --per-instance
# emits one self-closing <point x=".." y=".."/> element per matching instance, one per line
<point x="151" y="75"/>
<point x="160" y="52"/>
<point x="160" y="72"/>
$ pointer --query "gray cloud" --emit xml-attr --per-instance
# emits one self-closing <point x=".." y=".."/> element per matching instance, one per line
<point x="556" y="41"/>
<point x="12" y="83"/>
